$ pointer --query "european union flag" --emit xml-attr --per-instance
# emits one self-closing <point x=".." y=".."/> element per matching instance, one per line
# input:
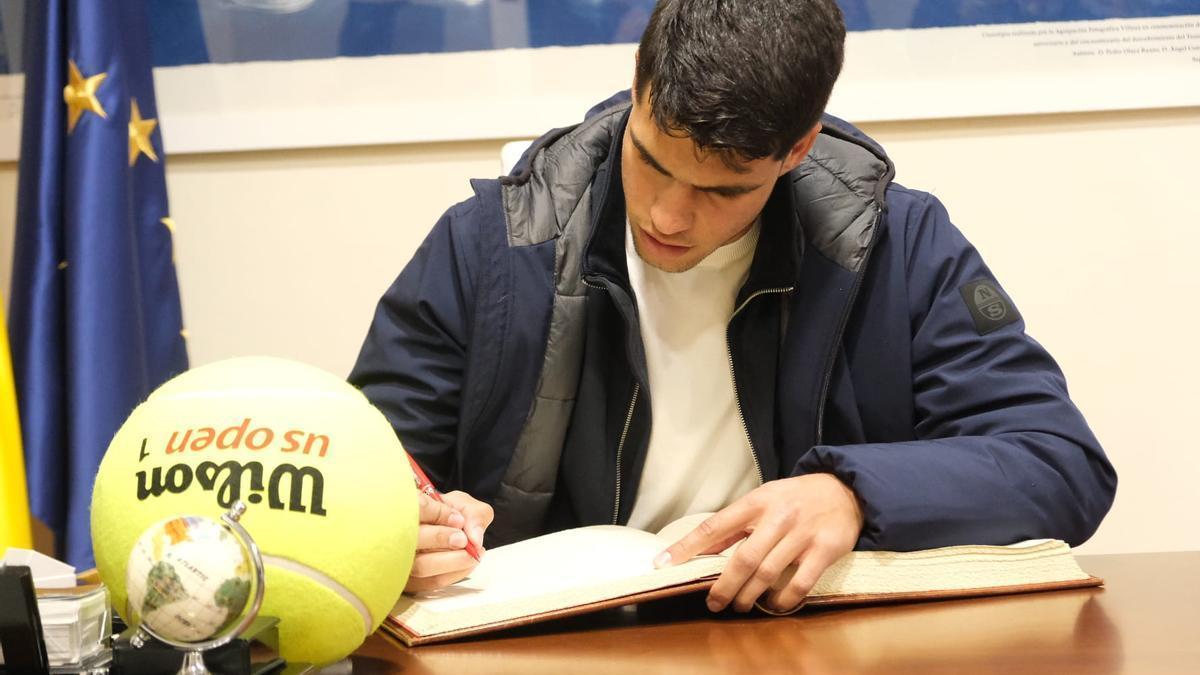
<point x="95" y="321"/>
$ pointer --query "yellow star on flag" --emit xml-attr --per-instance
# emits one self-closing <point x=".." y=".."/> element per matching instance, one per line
<point x="139" y="135"/>
<point x="80" y="95"/>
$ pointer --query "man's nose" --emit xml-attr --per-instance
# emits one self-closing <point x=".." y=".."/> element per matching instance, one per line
<point x="674" y="210"/>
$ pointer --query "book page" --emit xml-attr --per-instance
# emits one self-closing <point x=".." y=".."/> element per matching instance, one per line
<point x="555" y="571"/>
<point x="543" y="565"/>
<point x="950" y="568"/>
<point x="677" y="529"/>
<point x="1029" y="543"/>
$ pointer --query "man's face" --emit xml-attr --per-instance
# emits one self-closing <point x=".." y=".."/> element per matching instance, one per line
<point x="684" y="204"/>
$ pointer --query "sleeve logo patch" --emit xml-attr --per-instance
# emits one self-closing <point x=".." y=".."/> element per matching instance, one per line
<point x="988" y="306"/>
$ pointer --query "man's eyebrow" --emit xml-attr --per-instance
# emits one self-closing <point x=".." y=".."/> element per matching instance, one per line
<point x="727" y="190"/>
<point x="647" y="157"/>
<point x="724" y="190"/>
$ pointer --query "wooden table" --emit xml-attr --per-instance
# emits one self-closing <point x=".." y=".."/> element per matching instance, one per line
<point x="1146" y="619"/>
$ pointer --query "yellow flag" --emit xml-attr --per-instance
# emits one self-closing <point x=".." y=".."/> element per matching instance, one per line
<point x="14" y="502"/>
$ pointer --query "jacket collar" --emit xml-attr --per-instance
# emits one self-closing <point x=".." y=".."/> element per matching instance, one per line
<point x="829" y="204"/>
<point x="604" y="254"/>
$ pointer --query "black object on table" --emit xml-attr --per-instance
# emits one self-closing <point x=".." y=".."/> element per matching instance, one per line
<point x="255" y="652"/>
<point x="20" y="623"/>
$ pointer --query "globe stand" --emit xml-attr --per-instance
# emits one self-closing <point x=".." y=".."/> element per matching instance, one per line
<point x="193" y="652"/>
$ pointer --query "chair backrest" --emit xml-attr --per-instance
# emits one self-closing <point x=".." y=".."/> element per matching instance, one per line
<point x="510" y="153"/>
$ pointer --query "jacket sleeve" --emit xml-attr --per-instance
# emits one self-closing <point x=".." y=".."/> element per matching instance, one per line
<point x="412" y="362"/>
<point x="1002" y="454"/>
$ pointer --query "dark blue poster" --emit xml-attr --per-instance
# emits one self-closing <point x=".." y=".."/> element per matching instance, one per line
<point x="233" y="31"/>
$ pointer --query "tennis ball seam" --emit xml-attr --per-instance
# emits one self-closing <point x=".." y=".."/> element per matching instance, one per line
<point x="326" y="581"/>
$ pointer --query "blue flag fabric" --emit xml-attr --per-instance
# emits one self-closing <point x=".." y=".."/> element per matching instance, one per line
<point x="95" y="320"/>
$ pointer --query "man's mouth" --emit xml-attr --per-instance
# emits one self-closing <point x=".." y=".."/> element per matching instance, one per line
<point x="666" y="246"/>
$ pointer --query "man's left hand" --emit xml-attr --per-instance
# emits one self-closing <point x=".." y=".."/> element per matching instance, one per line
<point x="808" y="521"/>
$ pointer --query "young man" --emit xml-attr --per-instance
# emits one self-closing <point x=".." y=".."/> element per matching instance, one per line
<point x="708" y="297"/>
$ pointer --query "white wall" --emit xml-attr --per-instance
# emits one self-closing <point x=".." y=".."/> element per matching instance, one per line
<point x="1090" y="221"/>
<point x="286" y="253"/>
<point x="1087" y="219"/>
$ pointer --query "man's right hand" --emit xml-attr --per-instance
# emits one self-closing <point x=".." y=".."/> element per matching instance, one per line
<point x="442" y="537"/>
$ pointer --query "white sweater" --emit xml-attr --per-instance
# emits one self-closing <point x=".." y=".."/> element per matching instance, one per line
<point x="699" y="457"/>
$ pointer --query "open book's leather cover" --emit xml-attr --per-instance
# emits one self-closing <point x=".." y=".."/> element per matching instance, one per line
<point x="398" y="631"/>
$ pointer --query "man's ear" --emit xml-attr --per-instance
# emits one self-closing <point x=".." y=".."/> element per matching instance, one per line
<point x="800" y="150"/>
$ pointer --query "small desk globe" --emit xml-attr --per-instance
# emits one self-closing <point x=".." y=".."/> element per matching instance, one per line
<point x="188" y="578"/>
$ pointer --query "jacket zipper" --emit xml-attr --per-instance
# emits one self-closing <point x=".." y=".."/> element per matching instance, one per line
<point x="637" y="387"/>
<point x="737" y="400"/>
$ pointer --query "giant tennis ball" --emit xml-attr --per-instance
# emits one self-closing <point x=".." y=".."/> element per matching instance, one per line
<point x="329" y="492"/>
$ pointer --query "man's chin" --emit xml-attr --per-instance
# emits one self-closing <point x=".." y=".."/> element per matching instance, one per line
<point x="671" y="266"/>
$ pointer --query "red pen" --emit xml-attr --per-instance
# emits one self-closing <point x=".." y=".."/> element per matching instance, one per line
<point x="425" y="487"/>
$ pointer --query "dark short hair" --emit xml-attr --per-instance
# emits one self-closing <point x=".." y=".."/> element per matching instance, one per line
<point x="746" y="78"/>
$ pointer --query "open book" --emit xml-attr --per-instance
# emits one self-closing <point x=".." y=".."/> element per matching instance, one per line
<point x="590" y="568"/>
